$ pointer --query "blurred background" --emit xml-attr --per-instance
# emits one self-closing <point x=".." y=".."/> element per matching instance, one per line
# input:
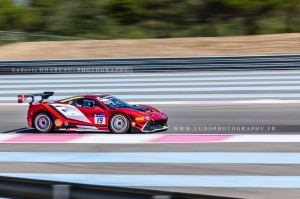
<point x="42" y="20"/>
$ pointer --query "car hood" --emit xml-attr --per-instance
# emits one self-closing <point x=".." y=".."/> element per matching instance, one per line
<point x="141" y="108"/>
<point x="145" y="110"/>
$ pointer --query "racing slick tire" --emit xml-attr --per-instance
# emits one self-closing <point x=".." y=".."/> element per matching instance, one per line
<point x="43" y="123"/>
<point x="119" y="124"/>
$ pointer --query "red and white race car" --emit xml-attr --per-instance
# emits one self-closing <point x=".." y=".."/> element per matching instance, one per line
<point x="92" y="112"/>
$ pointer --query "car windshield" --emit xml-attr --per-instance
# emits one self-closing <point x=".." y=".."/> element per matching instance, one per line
<point x="113" y="102"/>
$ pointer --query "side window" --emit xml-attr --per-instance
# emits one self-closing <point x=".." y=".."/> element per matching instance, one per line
<point x="72" y="102"/>
<point x="79" y="102"/>
<point x="87" y="103"/>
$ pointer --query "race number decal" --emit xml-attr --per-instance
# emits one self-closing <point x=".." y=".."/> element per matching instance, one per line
<point x="99" y="118"/>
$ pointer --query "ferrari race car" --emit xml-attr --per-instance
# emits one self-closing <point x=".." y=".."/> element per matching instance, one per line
<point x="92" y="112"/>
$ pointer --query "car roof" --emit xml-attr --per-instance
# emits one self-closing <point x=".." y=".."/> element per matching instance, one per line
<point x="93" y="95"/>
<point x="83" y="96"/>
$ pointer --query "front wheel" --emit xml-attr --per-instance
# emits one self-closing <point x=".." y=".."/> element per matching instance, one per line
<point x="43" y="123"/>
<point x="119" y="124"/>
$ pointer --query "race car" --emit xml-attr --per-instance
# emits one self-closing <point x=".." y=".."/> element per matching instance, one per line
<point x="92" y="112"/>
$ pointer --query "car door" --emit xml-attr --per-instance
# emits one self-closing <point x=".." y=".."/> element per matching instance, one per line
<point x="93" y="111"/>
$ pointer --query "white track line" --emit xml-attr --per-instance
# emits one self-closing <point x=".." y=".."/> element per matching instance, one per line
<point x="151" y="79"/>
<point x="213" y="102"/>
<point x="161" y="89"/>
<point x="103" y="85"/>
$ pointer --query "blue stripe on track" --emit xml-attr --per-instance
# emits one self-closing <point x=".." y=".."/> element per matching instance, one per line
<point x="223" y="181"/>
<point x="154" y="157"/>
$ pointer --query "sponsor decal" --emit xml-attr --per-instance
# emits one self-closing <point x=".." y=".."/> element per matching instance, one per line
<point x="71" y="112"/>
<point x="58" y="122"/>
<point x="99" y="118"/>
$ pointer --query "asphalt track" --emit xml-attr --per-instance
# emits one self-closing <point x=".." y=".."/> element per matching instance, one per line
<point x="251" y="104"/>
<point x="196" y="119"/>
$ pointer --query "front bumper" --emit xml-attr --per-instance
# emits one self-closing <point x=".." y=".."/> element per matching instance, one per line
<point x="155" y="126"/>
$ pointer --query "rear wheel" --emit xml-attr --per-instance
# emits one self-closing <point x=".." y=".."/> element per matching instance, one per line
<point x="119" y="124"/>
<point x="43" y="123"/>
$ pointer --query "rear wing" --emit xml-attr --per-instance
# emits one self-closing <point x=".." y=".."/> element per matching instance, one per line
<point x="43" y="96"/>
